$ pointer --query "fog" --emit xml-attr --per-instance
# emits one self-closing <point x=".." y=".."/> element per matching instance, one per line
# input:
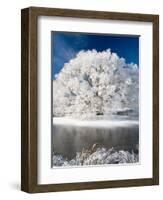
<point x="69" y="139"/>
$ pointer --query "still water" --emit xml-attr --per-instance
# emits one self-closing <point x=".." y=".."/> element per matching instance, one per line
<point x="67" y="139"/>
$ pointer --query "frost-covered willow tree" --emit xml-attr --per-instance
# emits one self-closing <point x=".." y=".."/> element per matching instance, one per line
<point x="96" y="83"/>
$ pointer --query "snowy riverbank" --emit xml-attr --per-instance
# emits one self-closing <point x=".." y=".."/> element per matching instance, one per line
<point x="73" y="140"/>
<point x="110" y="122"/>
<point x="98" y="157"/>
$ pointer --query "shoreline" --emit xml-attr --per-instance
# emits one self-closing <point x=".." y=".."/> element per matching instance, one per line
<point x="65" y="121"/>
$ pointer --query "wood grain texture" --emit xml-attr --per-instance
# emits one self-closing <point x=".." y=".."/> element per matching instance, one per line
<point x="156" y="100"/>
<point x="24" y="100"/>
<point x="29" y="99"/>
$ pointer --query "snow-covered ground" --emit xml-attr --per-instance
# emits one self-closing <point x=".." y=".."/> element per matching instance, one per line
<point x="98" y="157"/>
<point x="110" y="122"/>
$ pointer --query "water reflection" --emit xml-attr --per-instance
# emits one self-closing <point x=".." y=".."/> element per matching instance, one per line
<point x="69" y="139"/>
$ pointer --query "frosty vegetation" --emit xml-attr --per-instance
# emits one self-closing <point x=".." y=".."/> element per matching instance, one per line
<point x="96" y="83"/>
<point x="98" y="157"/>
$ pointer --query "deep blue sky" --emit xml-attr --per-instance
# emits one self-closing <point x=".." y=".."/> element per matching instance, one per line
<point x="66" y="45"/>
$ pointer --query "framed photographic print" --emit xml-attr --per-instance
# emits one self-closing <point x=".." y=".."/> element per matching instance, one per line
<point x="90" y="99"/>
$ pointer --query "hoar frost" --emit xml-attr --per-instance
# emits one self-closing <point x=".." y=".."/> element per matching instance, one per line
<point x="98" y="157"/>
<point x="96" y="83"/>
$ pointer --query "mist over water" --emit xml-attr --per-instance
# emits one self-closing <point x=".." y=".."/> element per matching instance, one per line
<point x="67" y="140"/>
<point x="96" y="110"/>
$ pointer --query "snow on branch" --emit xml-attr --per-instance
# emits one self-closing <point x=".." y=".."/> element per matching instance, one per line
<point x="96" y="83"/>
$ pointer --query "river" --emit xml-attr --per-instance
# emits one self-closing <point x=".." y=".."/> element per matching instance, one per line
<point x="70" y="138"/>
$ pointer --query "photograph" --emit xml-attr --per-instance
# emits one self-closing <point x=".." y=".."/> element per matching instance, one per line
<point x="95" y="99"/>
<point x="89" y="99"/>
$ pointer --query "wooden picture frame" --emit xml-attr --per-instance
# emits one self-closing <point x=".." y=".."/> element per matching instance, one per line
<point x="29" y="110"/>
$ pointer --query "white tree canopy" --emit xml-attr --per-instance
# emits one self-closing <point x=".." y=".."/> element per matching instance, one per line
<point x="96" y="83"/>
